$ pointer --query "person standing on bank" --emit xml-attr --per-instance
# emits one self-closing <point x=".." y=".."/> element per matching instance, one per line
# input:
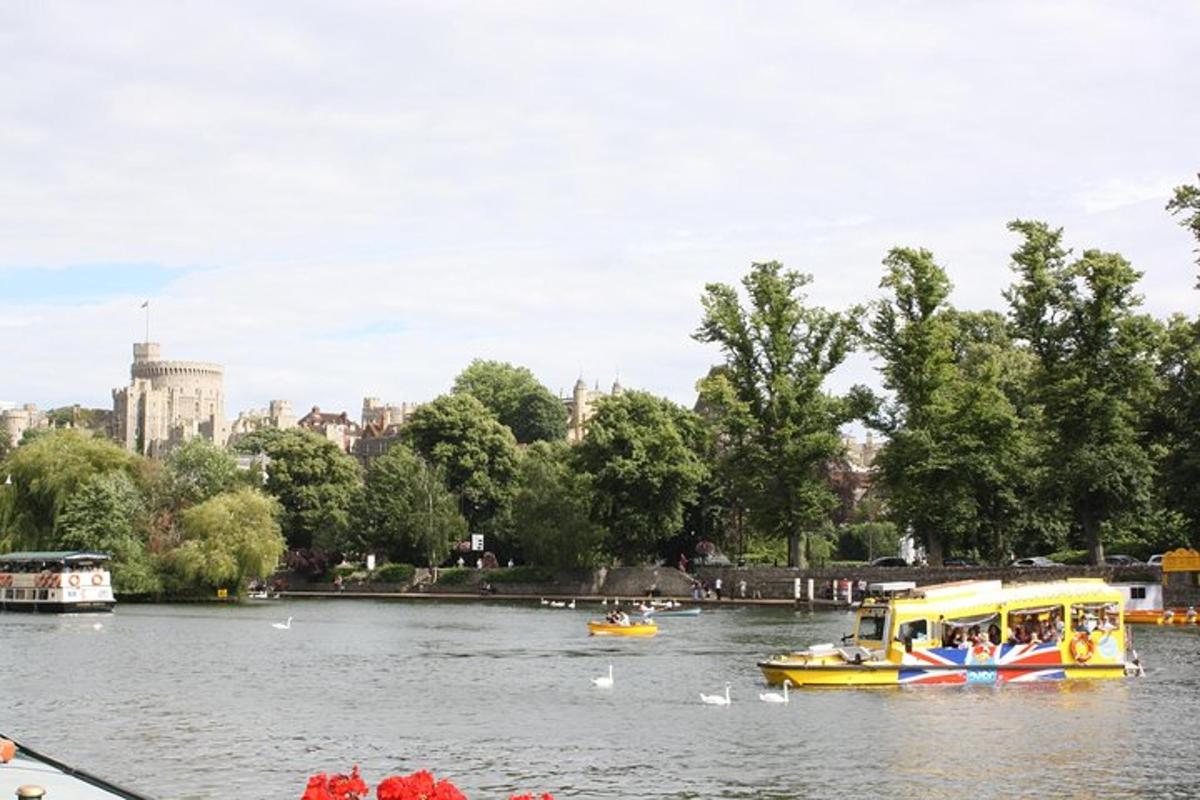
<point x="717" y="588"/>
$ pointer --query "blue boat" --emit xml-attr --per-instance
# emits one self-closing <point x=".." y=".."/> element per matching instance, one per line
<point x="674" y="612"/>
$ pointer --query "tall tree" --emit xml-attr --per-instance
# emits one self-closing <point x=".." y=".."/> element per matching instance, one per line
<point x="199" y="470"/>
<point x="551" y="510"/>
<point x="107" y="513"/>
<point x="949" y="466"/>
<point x="228" y="539"/>
<point x="775" y="419"/>
<point x="642" y="472"/>
<point x="476" y="453"/>
<point x="1185" y="201"/>
<point x="316" y="484"/>
<point x="1094" y="375"/>
<point x="47" y="470"/>
<point x="517" y="399"/>
<point x="406" y="510"/>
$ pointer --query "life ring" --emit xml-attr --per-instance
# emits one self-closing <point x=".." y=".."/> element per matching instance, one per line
<point x="74" y="581"/>
<point x="97" y="579"/>
<point x="1082" y="648"/>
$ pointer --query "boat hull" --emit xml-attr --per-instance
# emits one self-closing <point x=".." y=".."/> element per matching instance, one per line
<point x="1178" y="616"/>
<point x="995" y="665"/>
<point x="636" y="630"/>
<point x="51" y="607"/>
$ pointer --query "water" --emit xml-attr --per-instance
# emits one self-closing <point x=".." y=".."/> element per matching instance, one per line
<point x="206" y="702"/>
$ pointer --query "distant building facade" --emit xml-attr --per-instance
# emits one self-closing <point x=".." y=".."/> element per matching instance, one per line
<point x="336" y="427"/>
<point x="581" y="405"/>
<point x="14" y="421"/>
<point x="278" y="414"/>
<point x="381" y="424"/>
<point x="168" y="402"/>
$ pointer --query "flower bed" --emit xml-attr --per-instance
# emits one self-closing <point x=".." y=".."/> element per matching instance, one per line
<point x="420" y="785"/>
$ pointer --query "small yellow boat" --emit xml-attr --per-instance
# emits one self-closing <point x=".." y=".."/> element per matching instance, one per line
<point x="641" y="629"/>
<point x="972" y="632"/>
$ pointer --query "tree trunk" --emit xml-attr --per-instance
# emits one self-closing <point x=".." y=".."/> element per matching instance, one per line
<point x="796" y="551"/>
<point x="933" y="549"/>
<point x="1091" y="536"/>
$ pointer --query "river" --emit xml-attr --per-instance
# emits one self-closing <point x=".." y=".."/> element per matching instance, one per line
<point x="187" y="702"/>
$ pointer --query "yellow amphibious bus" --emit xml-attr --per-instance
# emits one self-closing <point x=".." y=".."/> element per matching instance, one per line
<point x="971" y="632"/>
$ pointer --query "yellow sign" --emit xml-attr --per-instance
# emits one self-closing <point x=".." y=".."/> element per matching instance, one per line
<point x="222" y="594"/>
<point x="1181" y="560"/>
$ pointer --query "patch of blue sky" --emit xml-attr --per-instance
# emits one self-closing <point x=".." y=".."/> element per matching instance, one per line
<point x="83" y="283"/>
<point x="372" y="330"/>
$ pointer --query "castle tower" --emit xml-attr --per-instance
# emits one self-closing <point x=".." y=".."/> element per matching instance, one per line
<point x="168" y="402"/>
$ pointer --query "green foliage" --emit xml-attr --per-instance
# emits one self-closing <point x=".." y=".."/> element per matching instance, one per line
<point x="476" y="453"/>
<point x="1186" y="202"/>
<point x="517" y="399"/>
<point x="6" y="513"/>
<point x="1094" y="376"/>
<point x="228" y="539"/>
<point x="316" y="484"/>
<point x="199" y="470"/>
<point x="105" y="514"/>
<point x="551" y="510"/>
<point x="951" y="465"/>
<point x="777" y="426"/>
<point x="46" y="471"/>
<point x="522" y="574"/>
<point x="641" y="471"/>
<point x="1175" y="423"/>
<point x="406" y="511"/>
<point x="864" y="541"/>
<point x="455" y="576"/>
<point x="394" y="573"/>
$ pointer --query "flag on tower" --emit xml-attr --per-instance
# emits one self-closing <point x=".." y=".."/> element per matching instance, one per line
<point x="146" y="304"/>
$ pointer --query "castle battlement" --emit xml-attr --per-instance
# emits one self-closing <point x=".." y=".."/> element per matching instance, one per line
<point x="168" y="402"/>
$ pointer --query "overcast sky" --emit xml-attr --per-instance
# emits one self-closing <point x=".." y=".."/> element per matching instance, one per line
<point x="357" y="198"/>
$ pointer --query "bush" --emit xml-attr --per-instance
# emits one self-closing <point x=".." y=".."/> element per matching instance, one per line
<point x="345" y="570"/>
<point x="521" y="575"/>
<point x="1073" y="557"/>
<point x="454" y="576"/>
<point x="394" y="573"/>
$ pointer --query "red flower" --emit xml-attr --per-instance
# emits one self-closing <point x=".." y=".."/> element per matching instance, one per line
<point x="417" y="786"/>
<point x="546" y="796"/>
<point x="338" y="787"/>
<point x="318" y="788"/>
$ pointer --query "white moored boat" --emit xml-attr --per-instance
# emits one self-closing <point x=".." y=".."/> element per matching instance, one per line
<point x="55" y="582"/>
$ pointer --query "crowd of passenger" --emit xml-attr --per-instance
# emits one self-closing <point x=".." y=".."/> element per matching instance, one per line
<point x="1035" y="627"/>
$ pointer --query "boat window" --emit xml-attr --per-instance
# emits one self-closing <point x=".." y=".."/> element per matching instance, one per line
<point x="913" y="630"/>
<point x="1087" y="617"/>
<point x="966" y="631"/>
<point x="43" y="594"/>
<point x="871" y="626"/>
<point x="1035" y="625"/>
<point x="1137" y="592"/>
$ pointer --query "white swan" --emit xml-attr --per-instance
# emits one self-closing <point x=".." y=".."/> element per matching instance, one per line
<point x="603" y="682"/>
<point x="557" y="604"/>
<point x="545" y="602"/>
<point x="717" y="699"/>
<point x="776" y="697"/>
<point x="603" y="601"/>
<point x="283" y="626"/>
<point x="572" y="603"/>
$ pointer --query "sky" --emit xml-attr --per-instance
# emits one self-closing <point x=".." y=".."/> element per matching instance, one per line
<point x="339" y="200"/>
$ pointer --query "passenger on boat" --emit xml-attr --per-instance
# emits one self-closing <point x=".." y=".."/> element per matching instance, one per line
<point x="994" y="633"/>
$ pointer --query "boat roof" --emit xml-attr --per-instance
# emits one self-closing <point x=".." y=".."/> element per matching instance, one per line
<point x="55" y="555"/>
<point x="962" y="594"/>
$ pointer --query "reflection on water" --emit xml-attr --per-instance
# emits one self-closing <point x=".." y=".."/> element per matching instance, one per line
<point x="199" y="702"/>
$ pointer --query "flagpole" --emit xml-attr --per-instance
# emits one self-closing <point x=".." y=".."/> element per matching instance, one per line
<point x="146" y="305"/>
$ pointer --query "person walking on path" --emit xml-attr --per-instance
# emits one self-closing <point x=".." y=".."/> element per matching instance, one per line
<point x="717" y="588"/>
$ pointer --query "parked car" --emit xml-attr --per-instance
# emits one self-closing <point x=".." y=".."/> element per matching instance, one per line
<point x="958" y="562"/>
<point x="1155" y="560"/>
<point x="1120" y="561"/>
<point x="889" y="561"/>
<point x="1035" y="561"/>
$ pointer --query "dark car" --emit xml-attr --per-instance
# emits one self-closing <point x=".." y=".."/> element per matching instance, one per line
<point x="1035" y="561"/>
<point x="1121" y="561"/>
<point x="958" y="562"/>
<point x="889" y="561"/>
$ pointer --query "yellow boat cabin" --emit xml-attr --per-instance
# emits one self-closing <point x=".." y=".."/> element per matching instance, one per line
<point x="971" y="632"/>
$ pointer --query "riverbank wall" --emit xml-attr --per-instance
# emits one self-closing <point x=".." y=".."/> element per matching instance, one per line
<point x="835" y="585"/>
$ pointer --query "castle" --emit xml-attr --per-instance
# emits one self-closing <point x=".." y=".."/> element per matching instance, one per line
<point x="168" y="402"/>
<point x="581" y="405"/>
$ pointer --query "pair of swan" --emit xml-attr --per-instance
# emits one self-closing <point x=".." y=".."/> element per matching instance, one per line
<point x="766" y="697"/>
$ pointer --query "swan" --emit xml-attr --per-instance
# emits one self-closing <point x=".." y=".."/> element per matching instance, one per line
<point x="97" y="626"/>
<point x="283" y="626"/>
<point x="776" y="697"/>
<point x="545" y="602"/>
<point x="572" y="603"/>
<point x="603" y="682"/>
<point x="603" y="601"/>
<point x="557" y="604"/>
<point x="717" y="699"/>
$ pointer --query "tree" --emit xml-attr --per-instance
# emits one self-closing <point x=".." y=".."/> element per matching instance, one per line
<point x="106" y="513"/>
<point x="517" y="399"/>
<point x="1094" y="373"/>
<point x="949" y="466"/>
<point x="641" y="470"/>
<point x="200" y="470"/>
<point x="406" y="511"/>
<point x="1186" y="201"/>
<point x="551" y="521"/>
<point x="229" y="538"/>
<point x="477" y="454"/>
<point x="775" y="422"/>
<point x="47" y="470"/>
<point x="315" y="483"/>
